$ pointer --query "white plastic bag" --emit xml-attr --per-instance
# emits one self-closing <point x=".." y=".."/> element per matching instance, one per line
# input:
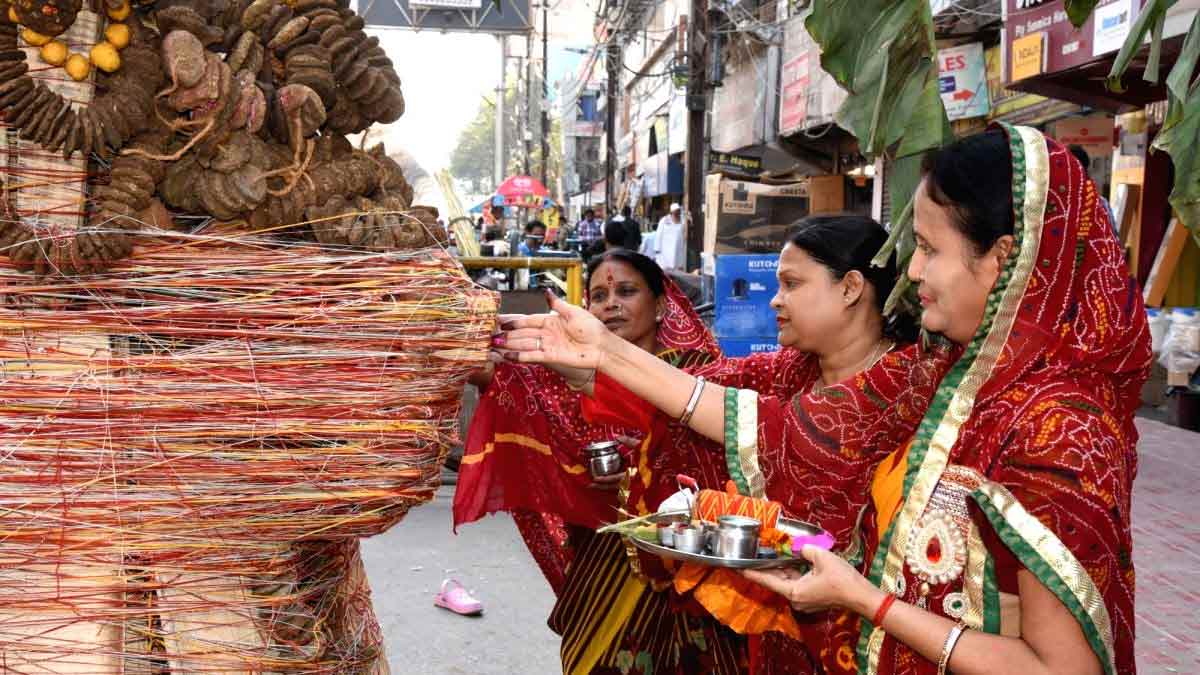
<point x="1180" y="351"/>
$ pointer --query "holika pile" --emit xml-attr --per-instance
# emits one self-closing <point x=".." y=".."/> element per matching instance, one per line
<point x="230" y="345"/>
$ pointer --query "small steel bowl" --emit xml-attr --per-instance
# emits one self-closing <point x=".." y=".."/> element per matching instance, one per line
<point x="689" y="540"/>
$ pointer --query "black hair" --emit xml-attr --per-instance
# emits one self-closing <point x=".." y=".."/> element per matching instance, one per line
<point x="972" y="178"/>
<point x="626" y="211"/>
<point x="1082" y="155"/>
<point x="623" y="234"/>
<point x="589" y="212"/>
<point x="847" y="243"/>
<point x="532" y="224"/>
<point x="650" y="271"/>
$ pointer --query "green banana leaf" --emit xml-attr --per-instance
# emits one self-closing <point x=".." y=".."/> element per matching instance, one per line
<point x="883" y="53"/>
<point x="1181" y="131"/>
<point x="1150" y="19"/>
<point x="1181" y="128"/>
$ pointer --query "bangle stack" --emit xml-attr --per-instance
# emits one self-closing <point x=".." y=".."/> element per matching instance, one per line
<point x="692" y="402"/>
<point x="948" y="648"/>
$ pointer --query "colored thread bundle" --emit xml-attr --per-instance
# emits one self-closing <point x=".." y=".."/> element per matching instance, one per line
<point x="193" y="441"/>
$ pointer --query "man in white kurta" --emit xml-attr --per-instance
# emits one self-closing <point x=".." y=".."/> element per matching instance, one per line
<point x="669" y="245"/>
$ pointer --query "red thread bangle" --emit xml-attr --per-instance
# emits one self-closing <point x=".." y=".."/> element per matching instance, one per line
<point x="883" y="609"/>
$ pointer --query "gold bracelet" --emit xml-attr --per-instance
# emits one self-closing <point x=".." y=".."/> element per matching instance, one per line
<point x="951" y="642"/>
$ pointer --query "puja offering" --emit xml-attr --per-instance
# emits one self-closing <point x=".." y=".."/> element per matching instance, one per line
<point x="722" y="529"/>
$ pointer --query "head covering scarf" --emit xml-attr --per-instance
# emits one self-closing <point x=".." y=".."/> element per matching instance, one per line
<point x="525" y="448"/>
<point x="1032" y="429"/>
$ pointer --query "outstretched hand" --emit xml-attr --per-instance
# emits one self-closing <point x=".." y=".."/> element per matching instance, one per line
<point x="568" y="336"/>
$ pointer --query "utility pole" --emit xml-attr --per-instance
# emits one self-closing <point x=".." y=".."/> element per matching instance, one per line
<point x="545" y="96"/>
<point x="612" y="64"/>
<point x="697" y="147"/>
<point x="498" y="168"/>
<point x="527" y="117"/>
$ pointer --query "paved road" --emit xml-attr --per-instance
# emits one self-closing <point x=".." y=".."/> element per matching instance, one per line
<point x="406" y="566"/>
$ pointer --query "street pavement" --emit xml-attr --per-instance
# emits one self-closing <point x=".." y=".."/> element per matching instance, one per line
<point x="407" y="564"/>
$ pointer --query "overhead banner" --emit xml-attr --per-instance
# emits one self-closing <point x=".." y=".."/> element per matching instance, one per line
<point x="796" y="77"/>
<point x="962" y="80"/>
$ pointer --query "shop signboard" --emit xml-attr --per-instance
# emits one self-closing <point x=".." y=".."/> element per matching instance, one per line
<point x="796" y="78"/>
<point x="729" y="162"/>
<point x="809" y="97"/>
<point x="962" y="79"/>
<point x="1062" y="46"/>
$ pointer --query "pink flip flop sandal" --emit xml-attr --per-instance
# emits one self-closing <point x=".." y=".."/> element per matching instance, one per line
<point x="456" y="599"/>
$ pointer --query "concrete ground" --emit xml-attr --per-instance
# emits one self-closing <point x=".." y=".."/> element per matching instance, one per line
<point x="407" y="564"/>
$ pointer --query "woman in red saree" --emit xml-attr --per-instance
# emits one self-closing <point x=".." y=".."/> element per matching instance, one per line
<point x="997" y="537"/>
<point x="525" y="454"/>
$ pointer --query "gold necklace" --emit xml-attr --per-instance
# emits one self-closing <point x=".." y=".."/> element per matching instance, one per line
<point x="866" y="364"/>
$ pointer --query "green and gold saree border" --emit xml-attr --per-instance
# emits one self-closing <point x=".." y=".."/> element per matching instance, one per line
<point x="741" y="442"/>
<point x="955" y="397"/>
<point x="1043" y="554"/>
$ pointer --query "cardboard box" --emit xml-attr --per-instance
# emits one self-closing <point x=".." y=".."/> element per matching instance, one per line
<point x="827" y="194"/>
<point x="745" y="346"/>
<point x="743" y="288"/>
<point x="746" y="217"/>
<point x="1178" y="378"/>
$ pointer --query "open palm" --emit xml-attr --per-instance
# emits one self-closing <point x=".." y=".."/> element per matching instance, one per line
<point x="570" y="336"/>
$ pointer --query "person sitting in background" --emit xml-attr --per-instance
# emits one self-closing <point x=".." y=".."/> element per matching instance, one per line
<point x="669" y="250"/>
<point x="535" y="234"/>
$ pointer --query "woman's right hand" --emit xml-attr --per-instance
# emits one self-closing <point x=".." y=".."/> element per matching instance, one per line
<point x="568" y="336"/>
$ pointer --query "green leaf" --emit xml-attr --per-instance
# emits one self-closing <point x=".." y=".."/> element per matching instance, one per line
<point x="1185" y="63"/>
<point x="1078" y="11"/>
<point x="1150" y="74"/>
<point x="1146" y="19"/>
<point x="881" y="52"/>
<point x="1181" y="129"/>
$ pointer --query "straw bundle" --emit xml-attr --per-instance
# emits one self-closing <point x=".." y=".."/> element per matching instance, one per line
<point x="193" y="442"/>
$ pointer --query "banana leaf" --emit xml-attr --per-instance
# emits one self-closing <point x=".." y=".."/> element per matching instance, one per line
<point x="1078" y="11"/>
<point x="883" y="53"/>
<point x="1181" y="128"/>
<point x="1149" y="20"/>
<point x="1181" y="131"/>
